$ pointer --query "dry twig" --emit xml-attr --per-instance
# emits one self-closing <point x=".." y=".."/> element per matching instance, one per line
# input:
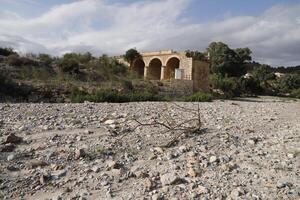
<point x="188" y="126"/>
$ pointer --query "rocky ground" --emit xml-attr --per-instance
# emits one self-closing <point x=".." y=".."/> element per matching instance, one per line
<point x="244" y="150"/>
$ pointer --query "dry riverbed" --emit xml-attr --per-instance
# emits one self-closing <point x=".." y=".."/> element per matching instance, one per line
<point x="244" y="150"/>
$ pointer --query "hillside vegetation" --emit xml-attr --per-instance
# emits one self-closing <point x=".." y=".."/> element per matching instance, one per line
<point x="79" y="77"/>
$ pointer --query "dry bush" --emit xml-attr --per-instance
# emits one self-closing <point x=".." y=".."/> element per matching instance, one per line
<point x="178" y="127"/>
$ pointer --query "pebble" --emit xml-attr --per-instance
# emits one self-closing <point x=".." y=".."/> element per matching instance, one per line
<point x="79" y="153"/>
<point x="11" y="157"/>
<point x="185" y="170"/>
<point x="95" y="169"/>
<point x="109" y="122"/>
<point x="213" y="159"/>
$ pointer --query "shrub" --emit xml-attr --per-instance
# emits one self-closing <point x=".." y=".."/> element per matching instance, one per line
<point x="230" y="86"/>
<point x="6" y="51"/>
<point x="45" y="58"/>
<point x="295" y="93"/>
<point x="68" y="65"/>
<point x="127" y="85"/>
<point x="145" y="96"/>
<point x="289" y="82"/>
<point x="31" y="72"/>
<point x="78" y="96"/>
<point x="113" y="96"/>
<point x="80" y="58"/>
<point x="8" y="88"/>
<point x="108" y="68"/>
<point x="16" y="60"/>
<point x="250" y="86"/>
<point x="199" y="97"/>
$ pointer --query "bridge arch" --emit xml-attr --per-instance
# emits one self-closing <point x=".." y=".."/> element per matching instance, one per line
<point x="171" y="64"/>
<point x="154" y="71"/>
<point x="138" y="67"/>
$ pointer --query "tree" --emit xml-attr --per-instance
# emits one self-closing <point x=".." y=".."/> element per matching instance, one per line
<point x="261" y="73"/>
<point x="223" y="59"/>
<point x="244" y="54"/>
<point x="131" y="55"/>
<point x="228" y="61"/>
<point x="196" y="55"/>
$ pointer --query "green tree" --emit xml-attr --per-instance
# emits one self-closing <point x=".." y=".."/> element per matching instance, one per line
<point x="244" y="54"/>
<point x="196" y="55"/>
<point x="224" y="60"/>
<point x="131" y="55"/>
<point x="261" y="73"/>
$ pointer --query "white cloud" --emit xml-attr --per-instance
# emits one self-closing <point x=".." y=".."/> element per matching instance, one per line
<point x="101" y="27"/>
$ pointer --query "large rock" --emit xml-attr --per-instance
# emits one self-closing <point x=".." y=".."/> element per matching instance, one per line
<point x="7" y="147"/>
<point x="31" y="164"/>
<point x="13" y="139"/>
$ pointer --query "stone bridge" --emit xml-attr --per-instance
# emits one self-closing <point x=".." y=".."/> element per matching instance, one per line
<point x="163" y="65"/>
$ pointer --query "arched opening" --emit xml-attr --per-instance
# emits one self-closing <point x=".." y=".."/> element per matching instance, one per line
<point x="138" y="67"/>
<point x="172" y="64"/>
<point x="154" y="69"/>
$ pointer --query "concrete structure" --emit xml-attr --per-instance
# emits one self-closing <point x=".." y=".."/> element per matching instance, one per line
<point x="161" y="65"/>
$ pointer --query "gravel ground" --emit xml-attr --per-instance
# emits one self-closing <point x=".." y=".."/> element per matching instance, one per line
<point x="246" y="149"/>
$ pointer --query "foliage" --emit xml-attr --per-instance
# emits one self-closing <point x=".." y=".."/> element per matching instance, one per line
<point x="289" y="70"/>
<point x="80" y="58"/>
<point x="6" y="51"/>
<point x="108" y="68"/>
<point x="45" y="58"/>
<point x="296" y="93"/>
<point x="196" y="55"/>
<point x="199" y="97"/>
<point x="289" y="82"/>
<point x="244" y="54"/>
<point x="111" y="66"/>
<point x="113" y="96"/>
<point x="131" y="55"/>
<point x="33" y="73"/>
<point x="250" y="86"/>
<point x="226" y="61"/>
<point x="228" y="85"/>
<point x="8" y="88"/>
<point x="127" y="84"/>
<point x="68" y="64"/>
<point x="16" y="60"/>
<point x="262" y="73"/>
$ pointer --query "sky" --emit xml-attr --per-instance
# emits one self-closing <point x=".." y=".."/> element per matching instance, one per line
<point x="270" y="28"/>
